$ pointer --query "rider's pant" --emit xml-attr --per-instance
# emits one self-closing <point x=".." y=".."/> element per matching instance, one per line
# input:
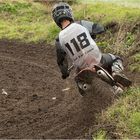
<point x="112" y="63"/>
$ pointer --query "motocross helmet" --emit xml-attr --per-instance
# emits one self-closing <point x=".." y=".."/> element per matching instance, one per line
<point x="60" y="12"/>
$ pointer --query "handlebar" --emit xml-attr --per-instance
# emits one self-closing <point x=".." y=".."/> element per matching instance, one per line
<point x="70" y="68"/>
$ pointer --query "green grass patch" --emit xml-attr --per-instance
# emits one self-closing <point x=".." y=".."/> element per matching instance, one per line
<point x="106" y="12"/>
<point x="134" y="123"/>
<point x="30" y="21"/>
<point x="101" y="135"/>
<point x="13" y="8"/>
<point x="129" y="40"/>
<point x="123" y="116"/>
<point x="135" y="64"/>
<point x="136" y="58"/>
<point x="126" y="3"/>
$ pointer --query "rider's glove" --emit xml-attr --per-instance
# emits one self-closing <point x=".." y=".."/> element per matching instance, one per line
<point x="65" y="75"/>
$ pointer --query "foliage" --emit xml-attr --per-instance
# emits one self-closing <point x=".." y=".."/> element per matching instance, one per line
<point x="126" y="3"/>
<point x="31" y="21"/>
<point x="104" y="12"/>
<point x="129" y="39"/>
<point x="123" y="116"/>
<point x="13" y="8"/>
<point x="101" y="135"/>
<point x="135" y="65"/>
<point x="56" y="1"/>
<point x="23" y="20"/>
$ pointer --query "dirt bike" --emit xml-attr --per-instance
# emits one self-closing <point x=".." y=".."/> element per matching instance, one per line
<point x="84" y="79"/>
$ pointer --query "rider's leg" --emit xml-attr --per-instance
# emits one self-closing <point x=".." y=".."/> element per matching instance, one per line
<point x="117" y="73"/>
<point x="116" y="67"/>
<point x="106" y="62"/>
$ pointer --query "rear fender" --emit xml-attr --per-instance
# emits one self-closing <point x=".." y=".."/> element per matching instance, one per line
<point x="85" y="75"/>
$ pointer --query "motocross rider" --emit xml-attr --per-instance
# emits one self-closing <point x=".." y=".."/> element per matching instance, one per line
<point x="75" y="40"/>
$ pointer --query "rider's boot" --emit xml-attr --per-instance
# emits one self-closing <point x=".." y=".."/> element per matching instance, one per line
<point x="117" y="74"/>
<point x="117" y="90"/>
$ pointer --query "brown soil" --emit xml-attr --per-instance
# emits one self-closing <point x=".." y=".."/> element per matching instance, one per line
<point x="30" y="76"/>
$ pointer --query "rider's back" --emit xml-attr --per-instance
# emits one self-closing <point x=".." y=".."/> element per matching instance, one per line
<point x="76" y="41"/>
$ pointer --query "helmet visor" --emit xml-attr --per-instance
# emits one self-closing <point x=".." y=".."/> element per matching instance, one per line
<point x="60" y="10"/>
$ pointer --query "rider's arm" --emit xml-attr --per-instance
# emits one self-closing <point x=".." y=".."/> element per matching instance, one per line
<point x="61" y="59"/>
<point x="93" y="28"/>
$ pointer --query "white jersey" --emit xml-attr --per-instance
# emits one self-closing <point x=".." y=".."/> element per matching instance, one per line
<point x="76" y="41"/>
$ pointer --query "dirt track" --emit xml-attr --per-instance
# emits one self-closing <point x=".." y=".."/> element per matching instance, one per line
<point x="31" y="78"/>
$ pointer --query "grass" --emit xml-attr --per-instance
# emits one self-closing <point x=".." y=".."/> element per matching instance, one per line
<point x="123" y="117"/>
<point x="135" y="65"/>
<point x="29" y="22"/>
<point x="100" y="12"/>
<point x="127" y="3"/>
<point x="32" y="22"/>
